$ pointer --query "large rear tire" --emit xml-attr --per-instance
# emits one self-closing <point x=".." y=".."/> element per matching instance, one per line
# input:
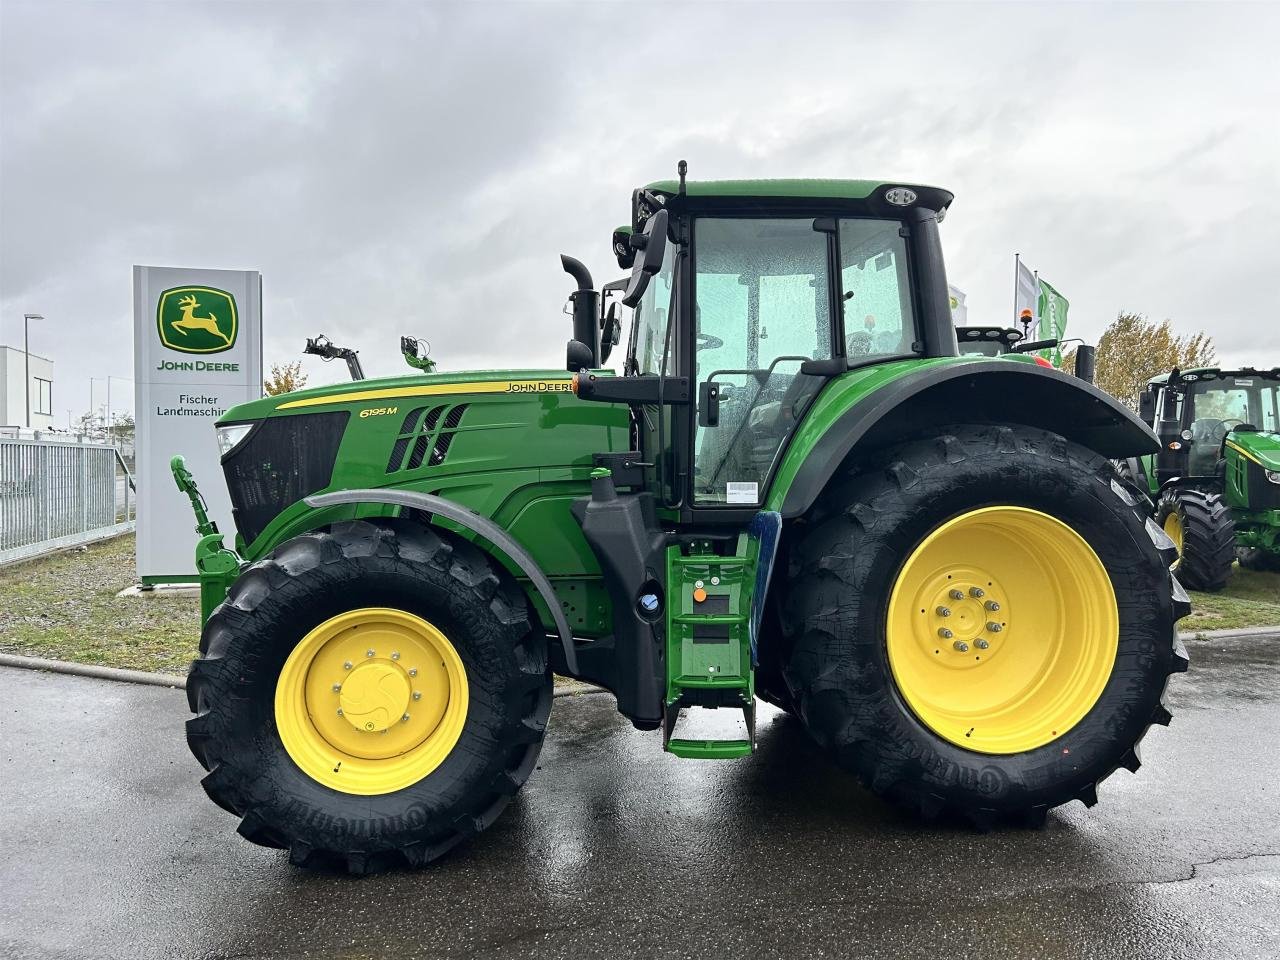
<point x="1200" y="526"/>
<point x="369" y="697"/>
<point x="983" y="625"/>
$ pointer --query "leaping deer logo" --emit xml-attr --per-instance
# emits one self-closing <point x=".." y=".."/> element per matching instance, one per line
<point x="189" y="321"/>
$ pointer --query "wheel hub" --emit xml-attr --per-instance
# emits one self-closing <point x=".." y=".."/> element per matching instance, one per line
<point x="963" y="616"/>
<point x="374" y="696"/>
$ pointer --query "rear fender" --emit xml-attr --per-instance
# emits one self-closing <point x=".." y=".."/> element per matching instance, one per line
<point x="857" y="415"/>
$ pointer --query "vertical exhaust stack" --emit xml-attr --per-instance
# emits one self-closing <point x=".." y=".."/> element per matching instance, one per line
<point x="586" y="313"/>
<point x="1086" y="362"/>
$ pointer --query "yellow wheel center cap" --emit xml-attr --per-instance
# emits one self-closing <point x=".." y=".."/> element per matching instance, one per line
<point x="371" y="700"/>
<point x="374" y="696"/>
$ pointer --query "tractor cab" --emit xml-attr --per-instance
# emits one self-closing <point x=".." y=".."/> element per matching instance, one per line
<point x="1200" y="413"/>
<point x="749" y="297"/>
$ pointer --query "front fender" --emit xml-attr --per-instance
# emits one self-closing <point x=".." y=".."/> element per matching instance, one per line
<point x="873" y="407"/>
<point x="474" y="522"/>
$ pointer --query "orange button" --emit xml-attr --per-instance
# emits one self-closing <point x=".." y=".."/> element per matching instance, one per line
<point x="699" y="595"/>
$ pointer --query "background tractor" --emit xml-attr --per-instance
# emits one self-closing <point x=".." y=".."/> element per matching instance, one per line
<point x="1216" y="476"/>
<point x="796" y="489"/>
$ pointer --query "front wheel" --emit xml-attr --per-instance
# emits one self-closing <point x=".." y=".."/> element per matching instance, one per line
<point x="1200" y="526"/>
<point x="984" y="624"/>
<point x="369" y="696"/>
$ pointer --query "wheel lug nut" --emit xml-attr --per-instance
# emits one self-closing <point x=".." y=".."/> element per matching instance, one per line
<point x="413" y="671"/>
<point x="992" y="606"/>
<point x="395" y="656"/>
<point x="981" y="644"/>
<point x="961" y="646"/>
<point x="405" y="718"/>
<point x="956" y="594"/>
<point x="339" y="711"/>
<point x="944" y="611"/>
<point x="417" y="694"/>
<point x="945" y="634"/>
<point x="368" y="653"/>
<point x="994" y="627"/>
<point x="347" y="665"/>
<point x="977" y="593"/>
<point x="337" y="688"/>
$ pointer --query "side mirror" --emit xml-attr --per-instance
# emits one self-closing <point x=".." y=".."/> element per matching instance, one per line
<point x="622" y="250"/>
<point x="651" y="247"/>
<point x="609" y="333"/>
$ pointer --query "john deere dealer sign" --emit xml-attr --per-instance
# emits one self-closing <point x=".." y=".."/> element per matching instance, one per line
<point x="197" y="352"/>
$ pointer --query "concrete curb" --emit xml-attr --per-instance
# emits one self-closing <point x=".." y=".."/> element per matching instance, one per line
<point x="1264" y="633"/>
<point x="568" y="688"/>
<point x="93" y="670"/>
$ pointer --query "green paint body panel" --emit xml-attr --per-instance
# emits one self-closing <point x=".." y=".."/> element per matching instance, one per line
<point x="520" y="458"/>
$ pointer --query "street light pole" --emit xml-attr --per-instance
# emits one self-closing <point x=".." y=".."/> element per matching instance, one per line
<point x="26" y="358"/>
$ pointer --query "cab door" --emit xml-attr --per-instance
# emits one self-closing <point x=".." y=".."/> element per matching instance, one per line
<point x="762" y="307"/>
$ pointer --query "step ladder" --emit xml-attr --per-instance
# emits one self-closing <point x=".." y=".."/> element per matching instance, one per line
<point x="713" y="610"/>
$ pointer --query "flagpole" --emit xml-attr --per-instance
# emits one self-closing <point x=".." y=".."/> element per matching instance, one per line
<point x="1016" y="260"/>
<point x="1035" y="314"/>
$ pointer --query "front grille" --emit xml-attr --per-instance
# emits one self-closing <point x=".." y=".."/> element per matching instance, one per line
<point x="425" y="437"/>
<point x="1263" y="494"/>
<point x="283" y="460"/>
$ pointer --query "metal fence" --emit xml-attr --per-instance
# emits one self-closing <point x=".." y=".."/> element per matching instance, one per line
<point x="55" y="495"/>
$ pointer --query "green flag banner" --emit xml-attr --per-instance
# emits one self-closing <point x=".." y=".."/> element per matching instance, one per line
<point x="1052" y="316"/>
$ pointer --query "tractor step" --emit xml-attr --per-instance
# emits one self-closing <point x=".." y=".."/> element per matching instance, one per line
<point x="711" y="619"/>
<point x="709" y="749"/>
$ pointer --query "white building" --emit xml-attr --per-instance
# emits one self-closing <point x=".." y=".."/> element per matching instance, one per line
<point x="13" y="371"/>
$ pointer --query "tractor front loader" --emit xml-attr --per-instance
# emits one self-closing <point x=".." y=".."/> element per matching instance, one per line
<point x="796" y="490"/>
<point x="1215" y="480"/>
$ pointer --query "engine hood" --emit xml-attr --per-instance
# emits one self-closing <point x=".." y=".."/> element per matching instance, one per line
<point x="1262" y="447"/>
<point x="373" y="393"/>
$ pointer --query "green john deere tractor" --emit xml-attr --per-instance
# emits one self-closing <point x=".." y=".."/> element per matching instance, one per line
<point x="928" y="559"/>
<point x="1216" y="477"/>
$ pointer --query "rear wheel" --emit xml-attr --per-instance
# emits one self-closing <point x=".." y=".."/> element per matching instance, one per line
<point x="1200" y="526"/>
<point x="369" y="696"/>
<point x="984" y="626"/>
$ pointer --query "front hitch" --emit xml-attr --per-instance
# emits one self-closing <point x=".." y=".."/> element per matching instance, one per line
<point x="217" y="566"/>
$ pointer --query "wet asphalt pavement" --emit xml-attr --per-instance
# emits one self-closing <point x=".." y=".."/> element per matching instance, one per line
<point x="110" y="848"/>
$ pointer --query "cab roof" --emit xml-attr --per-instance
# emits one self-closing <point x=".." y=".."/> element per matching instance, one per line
<point x="800" y="189"/>
<point x="1214" y="372"/>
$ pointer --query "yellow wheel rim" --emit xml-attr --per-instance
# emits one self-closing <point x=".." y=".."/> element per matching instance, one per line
<point x="1002" y="630"/>
<point x="1173" y="527"/>
<point x="371" y="701"/>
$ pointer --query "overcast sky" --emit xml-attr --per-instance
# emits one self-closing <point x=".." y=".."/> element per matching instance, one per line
<point x="415" y="168"/>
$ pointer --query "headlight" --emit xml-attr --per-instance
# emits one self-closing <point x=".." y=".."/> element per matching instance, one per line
<point x="1273" y="475"/>
<point x="231" y="435"/>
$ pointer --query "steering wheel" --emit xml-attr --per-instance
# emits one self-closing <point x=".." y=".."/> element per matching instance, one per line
<point x="707" y="341"/>
<point x="1220" y="429"/>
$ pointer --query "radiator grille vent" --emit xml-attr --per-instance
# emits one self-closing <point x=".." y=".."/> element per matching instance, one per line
<point x="425" y="437"/>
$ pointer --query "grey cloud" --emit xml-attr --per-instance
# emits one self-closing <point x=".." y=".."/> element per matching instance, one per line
<point x="402" y="167"/>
